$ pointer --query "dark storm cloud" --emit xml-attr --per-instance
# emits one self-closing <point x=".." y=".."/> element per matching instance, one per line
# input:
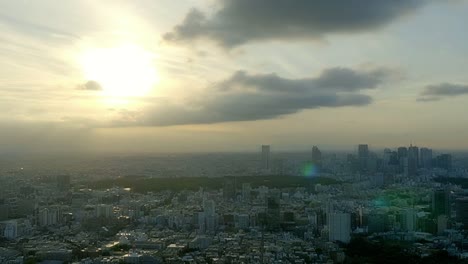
<point x="439" y="91"/>
<point x="240" y="21"/>
<point x="90" y="86"/>
<point x="247" y="97"/>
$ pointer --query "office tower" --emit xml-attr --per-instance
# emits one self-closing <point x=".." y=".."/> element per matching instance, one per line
<point x="316" y="156"/>
<point x="408" y="220"/>
<point x="402" y="152"/>
<point x="461" y="206"/>
<point x="387" y="155"/>
<point x="229" y="188"/>
<point x="266" y="157"/>
<point x="444" y="161"/>
<point x="273" y="211"/>
<point x="441" y="203"/>
<point x="402" y="159"/>
<point x="363" y="157"/>
<point x="339" y="225"/>
<point x="363" y="150"/>
<point x="426" y="158"/>
<point x="413" y="160"/>
<point x="210" y="215"/>
<point x="372" y="163"/>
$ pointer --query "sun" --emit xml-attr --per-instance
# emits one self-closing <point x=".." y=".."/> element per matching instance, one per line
<point x="122" y="71"/>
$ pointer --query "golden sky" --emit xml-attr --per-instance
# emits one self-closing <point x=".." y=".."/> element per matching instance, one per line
<point x="205" y="75"/>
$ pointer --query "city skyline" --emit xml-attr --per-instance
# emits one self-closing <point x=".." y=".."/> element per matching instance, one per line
<point x="128" y="77"/>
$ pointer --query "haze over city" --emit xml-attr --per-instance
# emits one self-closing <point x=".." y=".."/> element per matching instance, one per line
<point x="233" y="131"/>
<point x="201" y="76"/>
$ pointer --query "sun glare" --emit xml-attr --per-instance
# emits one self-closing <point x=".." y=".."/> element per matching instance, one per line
<point x="122" y="71"/>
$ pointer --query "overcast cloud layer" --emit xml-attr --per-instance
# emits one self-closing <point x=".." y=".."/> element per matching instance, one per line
<point x="246" y="97"/>
<point x="241" y="21"/>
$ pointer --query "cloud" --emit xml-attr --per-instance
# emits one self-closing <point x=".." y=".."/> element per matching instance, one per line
<point x="247" y="97"/>
<point x="240" y="21"/>
<point x="90" y="86"/>
<point x="436" y="92"/>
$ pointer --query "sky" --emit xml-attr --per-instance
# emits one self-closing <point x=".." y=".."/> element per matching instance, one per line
<point x="231" y="75"/>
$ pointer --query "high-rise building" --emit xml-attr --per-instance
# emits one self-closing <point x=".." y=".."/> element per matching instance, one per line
<point x="229" y="187"/>
<point x="408" y="219"/>
<point x="444" y="161"/>
<point x="339" y="225"/>
<point x="209" y="210"/>
<point x="266" y="157"/>
<point x="403" y="159"/>
<point x="387" y="155"/>
<point x="413" y="160"/>
<point x="363" y="156"/>
<point x="273" y="213"/>
<point x="441" y="203"/>
<point x="363" y="150"/>
<point x="316" y="156"/>
<point x="461" y="206"/>
<point x="426" y="158"/>
<point x="402" y="152"/>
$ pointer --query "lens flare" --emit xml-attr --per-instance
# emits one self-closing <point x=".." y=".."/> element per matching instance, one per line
<point x="310" y="170"/>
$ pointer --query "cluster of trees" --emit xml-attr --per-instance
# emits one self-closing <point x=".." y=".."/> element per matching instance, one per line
<point x="143" y="185"/>
<point x="361" y="250"/>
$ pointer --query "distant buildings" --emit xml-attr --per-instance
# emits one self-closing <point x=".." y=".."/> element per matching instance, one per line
<point x="339" y="225"/>
<point x="461" y="205"/>
<point x="229" y="188"/>
<point x="266" y="162"/>
<point x="273" y="213"/>
<point x="316" y="156"/>
<point x="363" y="157"/>
<point x="441" y="203"/>
<point x="413" y="160"/>
<point x="444" y="161"/>
<point x="426" y="158"/>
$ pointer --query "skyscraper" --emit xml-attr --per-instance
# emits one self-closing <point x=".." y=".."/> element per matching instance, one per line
<point x="461" y="205"/>
<point x="426" y="158"/>
<point x="444" y="161"/>
<point x="229" y="187"/>
<point x="413" y="160"/>
<point x="316" y="157"/>
<point x="363" y="156"/>
<point x="403" y="159"/>
<point x="402" y="152"/>
<point x="441" y="203"/>
<point x="266" y="157"/>
<point x="273" y="211"/>
<point x="339" y="227"/>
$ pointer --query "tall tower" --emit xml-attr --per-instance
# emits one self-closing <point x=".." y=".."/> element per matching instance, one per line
<point x="441" y="203"/>
<point x="413" y="160"/>
<point x="425" y="158"/>
<point x="339" y="225"/>
<point x="273" y="211"/>
<point x="266" y="157"/>
<point x="316" y="156"/>
<point x="363" y="156"/>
